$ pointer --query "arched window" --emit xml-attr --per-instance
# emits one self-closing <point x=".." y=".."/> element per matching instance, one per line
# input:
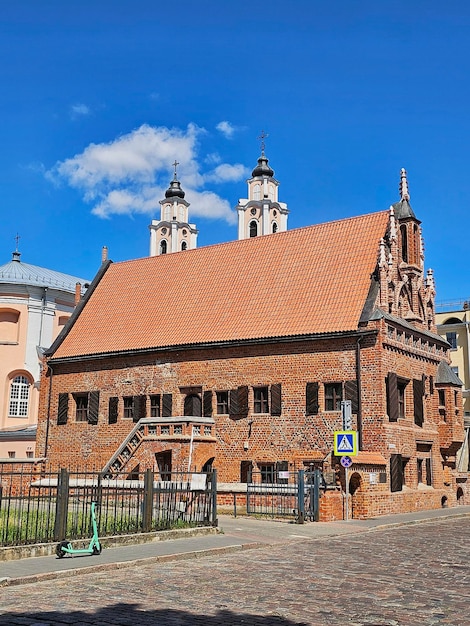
<point x="274" y="227"/>
<point x="193" y="405"/>
<point x="253" y="228"/>
<point x="181" y="214"/>
<point x="184" y="245"/>
<point x="167" y="212"/>
<point x="163" y="247"/>
<point x="271" y="192"/>
<point x="19" y="397"/>
<point x="257" y="192"/>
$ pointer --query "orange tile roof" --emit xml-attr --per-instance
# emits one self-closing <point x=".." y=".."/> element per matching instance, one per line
<point x="303" y="281"/>
<point x="368" y="458"/>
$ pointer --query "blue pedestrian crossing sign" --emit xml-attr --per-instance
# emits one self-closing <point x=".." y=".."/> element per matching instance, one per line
<point x="345" y="442"/>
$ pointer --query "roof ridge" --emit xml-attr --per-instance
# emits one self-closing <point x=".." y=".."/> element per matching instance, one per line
<point x="285" y="233"/>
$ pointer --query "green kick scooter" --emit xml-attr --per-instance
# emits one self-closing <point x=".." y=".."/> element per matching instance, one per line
<point x="94" y="547"/>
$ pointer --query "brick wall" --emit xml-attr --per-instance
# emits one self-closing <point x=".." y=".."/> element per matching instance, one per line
<point x="294" y="436"/>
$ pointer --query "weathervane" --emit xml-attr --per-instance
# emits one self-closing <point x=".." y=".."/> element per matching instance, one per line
<point x="17" y="239"/>
<point x="262" y="137"/>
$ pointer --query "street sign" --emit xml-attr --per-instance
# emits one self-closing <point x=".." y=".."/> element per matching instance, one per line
<point x="345" y="442"/>
<point x="346" y="414"/>
<point x="346" y="461"/>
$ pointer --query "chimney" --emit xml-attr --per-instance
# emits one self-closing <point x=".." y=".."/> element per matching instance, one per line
<point x="78" y="293"/>
<point x="104" y="254"/>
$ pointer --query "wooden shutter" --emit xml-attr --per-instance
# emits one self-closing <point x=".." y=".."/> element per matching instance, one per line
<point x="350" y="393"/>
<point x="396" y="472"/>
<point x="234" y="411"/>
<point x="311" y="399"/>
<point x="93" y="407"/>
<point x="63" y="409"/>
<point x="243" y="401"/>
<point x="113" y="410"/>
<point x="207" y="403"/>
<point x="428" y="472"/>
<point x="418" y="402"/>
<point x="140" y="408"/>
<point x="167" y="405"/>
<point x="392" y="397"/>
<point x="276" y="406"/>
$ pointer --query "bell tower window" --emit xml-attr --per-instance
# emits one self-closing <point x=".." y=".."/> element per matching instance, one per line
<point x="253" y="228"/>
<point x="257" y="192"/>
<point x="163" y="247"/>
<point x="274" y="227"/>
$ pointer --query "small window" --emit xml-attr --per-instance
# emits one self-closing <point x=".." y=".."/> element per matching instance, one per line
<point x="222" y="402"/>
<point x="267" y="471"/>
<point x="11" y="454"/>
<point x="455" y="369"/>
<point x="129" y="407"/>
<point x="19" y="397"/>
<point x="81" y="407"/>
<point x="261" y="404"/>
<point x="29" y="454"/>
<point x="184" y="245"/>
<point x="163" y="247"/>
<point x="155" y="406"/>
<point x="442" y="397"/>
<point x="333" y="396"/>
<point x="401" y="389"/>
<point x="452" y="339"/>
<point x="274" y="227"/>
<point x="424" y="471"/>
<point x="257" y="192"/>
<point x="253" y="228"/>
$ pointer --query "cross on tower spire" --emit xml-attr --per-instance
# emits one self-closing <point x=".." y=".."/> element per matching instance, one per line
<point x="175" y="164"/>
<point x="17" y="239"/>
<point x="262" y="137"/>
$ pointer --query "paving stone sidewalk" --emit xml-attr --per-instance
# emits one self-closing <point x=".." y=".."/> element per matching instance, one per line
<point x="404" y="573"/>
<point x="235" y="534"/>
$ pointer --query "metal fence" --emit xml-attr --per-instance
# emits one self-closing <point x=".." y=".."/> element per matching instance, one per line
<point x="285" y="494"/>
<point x="37" y="506"/>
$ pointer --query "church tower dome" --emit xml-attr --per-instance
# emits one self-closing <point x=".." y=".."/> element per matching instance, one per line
<point x="261" y="213"/>
<point x="173" y="232"/>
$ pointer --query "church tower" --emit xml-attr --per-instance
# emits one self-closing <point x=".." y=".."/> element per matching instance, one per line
<point x="172" y="232"/>
<point x="261" y="213"/>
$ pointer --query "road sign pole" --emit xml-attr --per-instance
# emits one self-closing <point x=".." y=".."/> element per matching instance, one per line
<point x="346" y="478"/>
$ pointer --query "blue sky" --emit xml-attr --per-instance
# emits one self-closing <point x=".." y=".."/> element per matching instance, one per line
<point x="99" y="98"/>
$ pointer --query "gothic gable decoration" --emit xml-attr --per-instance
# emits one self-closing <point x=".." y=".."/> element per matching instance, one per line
<point x="404" y="290"/>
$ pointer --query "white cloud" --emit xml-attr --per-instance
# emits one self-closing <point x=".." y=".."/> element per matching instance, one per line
<point x="227" y="129"/>
<point x="79" y="110"/>
<point x="227" y="173"/>
<point x="129" y="175"/>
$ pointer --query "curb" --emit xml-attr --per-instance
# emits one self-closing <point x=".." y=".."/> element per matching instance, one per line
<point x="107" y="567"/>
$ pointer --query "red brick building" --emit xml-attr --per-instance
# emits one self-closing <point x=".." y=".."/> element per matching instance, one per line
<point x="238" y="356"/>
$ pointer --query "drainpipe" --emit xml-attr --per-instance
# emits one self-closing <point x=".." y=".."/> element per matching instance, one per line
<point x="49" y="399"/>
<point x="359" y="392"/>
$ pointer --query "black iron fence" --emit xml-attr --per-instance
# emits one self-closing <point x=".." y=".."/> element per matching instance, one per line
<point x="285" y="494"/>
<point x="37" y="506"/>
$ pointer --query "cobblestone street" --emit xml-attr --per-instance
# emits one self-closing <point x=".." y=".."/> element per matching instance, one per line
<point x="415" y="575"/>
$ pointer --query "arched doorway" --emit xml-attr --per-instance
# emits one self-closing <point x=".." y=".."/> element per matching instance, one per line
<point x="354" y="486"/>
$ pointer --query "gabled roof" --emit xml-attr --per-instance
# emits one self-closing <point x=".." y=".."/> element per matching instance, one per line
<point x="299" y="282"/>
